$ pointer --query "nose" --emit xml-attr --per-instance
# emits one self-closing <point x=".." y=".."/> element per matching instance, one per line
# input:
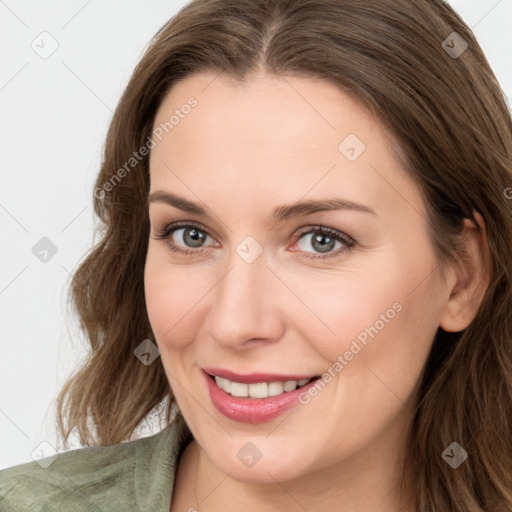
<point x="246" y="305"/>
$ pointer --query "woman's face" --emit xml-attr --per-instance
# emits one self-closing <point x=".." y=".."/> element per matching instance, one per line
<point x="345" y="286"/>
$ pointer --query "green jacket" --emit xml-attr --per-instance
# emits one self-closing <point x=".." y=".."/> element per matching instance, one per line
<point x="132" y="477"/>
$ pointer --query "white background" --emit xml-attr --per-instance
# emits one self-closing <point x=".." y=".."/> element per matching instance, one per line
<point x="55" y="113"/>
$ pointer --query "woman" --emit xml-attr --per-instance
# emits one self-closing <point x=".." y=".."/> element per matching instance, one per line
<point x="305" y="267"/>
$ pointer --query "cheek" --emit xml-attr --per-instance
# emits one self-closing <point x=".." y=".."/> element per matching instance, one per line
<point x="382" y="317"/>
<point x="173" y="296"/>
<point x="338" y="309"/>
<point x="383" y="334"/>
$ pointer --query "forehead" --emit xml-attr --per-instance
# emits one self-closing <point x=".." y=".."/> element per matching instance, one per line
<point x="278" y="138"/>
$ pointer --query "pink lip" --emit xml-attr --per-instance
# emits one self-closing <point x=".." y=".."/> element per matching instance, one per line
<point x="252" y="378"/>
<point x="253" y="410"/>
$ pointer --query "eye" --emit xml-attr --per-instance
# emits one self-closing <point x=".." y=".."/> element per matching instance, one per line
<point x="185" y="237"/>
<point x="322" y="242"/>
<point x="191" y="238"/>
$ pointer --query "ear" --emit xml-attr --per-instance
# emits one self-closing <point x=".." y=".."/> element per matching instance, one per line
<point x="471" y="275"/>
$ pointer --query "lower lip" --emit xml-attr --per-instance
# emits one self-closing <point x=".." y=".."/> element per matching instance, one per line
<point x="253" y="410"/>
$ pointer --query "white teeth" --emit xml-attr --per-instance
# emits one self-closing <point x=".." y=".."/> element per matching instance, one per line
<point x="275" y="388"/>
<point x="258" y="389"/>
<point x="290" y="385"/>
<point x="238" y="389"/>
<point x="225" y="384"/>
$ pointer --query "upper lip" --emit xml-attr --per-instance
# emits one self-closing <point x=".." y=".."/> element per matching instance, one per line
<point x="251" y="378"/>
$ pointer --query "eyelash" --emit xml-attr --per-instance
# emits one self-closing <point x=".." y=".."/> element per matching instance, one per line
<point x="333" y="233"/>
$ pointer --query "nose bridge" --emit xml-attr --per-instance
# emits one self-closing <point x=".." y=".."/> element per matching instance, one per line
<point x="241" y="305"/>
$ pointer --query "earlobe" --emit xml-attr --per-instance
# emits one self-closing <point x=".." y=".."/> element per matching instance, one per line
<point x="472" y="275"/>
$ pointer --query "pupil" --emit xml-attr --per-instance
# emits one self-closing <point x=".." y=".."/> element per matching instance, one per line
<point x="325" y="243"/>
<point x="193" y="237"/>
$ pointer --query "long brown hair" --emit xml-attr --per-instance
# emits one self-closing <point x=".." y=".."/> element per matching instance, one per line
<point x="449" y="117"/>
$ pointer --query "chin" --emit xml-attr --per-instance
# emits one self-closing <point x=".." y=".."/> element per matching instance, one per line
<point x="264" y="465"/>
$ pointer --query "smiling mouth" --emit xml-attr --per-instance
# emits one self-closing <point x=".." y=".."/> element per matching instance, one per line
<point x="259" y="389"/>
<point x="260" y="398"/>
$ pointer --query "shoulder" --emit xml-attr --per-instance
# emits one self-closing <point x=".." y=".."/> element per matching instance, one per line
<point x="136" y="475"/>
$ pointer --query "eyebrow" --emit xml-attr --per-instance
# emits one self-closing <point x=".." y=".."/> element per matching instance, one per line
<point x="281" y="213"/>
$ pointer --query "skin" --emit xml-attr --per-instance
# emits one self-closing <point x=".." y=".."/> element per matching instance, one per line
<point x="241" y="152"/>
